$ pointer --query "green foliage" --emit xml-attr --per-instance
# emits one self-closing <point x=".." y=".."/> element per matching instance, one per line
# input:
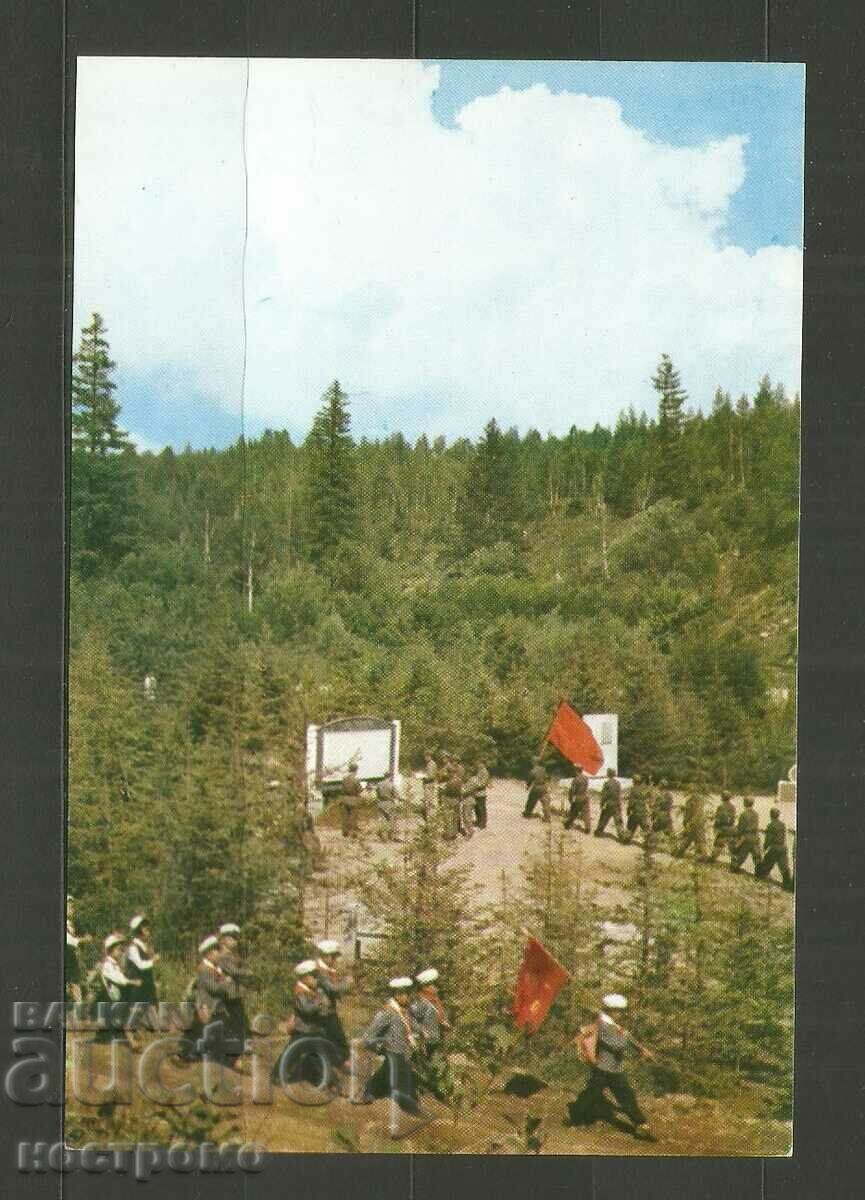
<point x="331" y="485"/>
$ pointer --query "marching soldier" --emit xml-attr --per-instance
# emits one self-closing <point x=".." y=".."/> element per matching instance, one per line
<point x="611" y="805"/>
<point x="386" y="797"/>
<point x="725" y="827"/>
<point x="350" y="800"/>
<point x="747" y="837"/>
<point x="232" y="965"/>
<point x="309" y="1053"/>
<point x="334" y="988"/>
<point x="608" y="1071"/>
<point x="693" y="824"/>
<point x="662" y="814"/>
<point x="775" y="850"/>
<point x="431" y="1021"/>
<point x="451" y="797"/>
<point x="638" y="810"/>
<point x="393" y="1034"/>
<point x="476" y="787"/>
<point x="139" y="964"/>
<point x="578" y="799"/>
<point x="539" y="790"/>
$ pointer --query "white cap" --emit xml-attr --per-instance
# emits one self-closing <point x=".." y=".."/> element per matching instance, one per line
<point x="614" y="1000"/>
<point x="307" y="967"/>
<point x="402" y="983"/>
<point x="328" y="946"/>
<point x="113" y="939"/>
<point x="209" y="942"/>
<point x="137" y="921"/>
<point x="430" y="975"/>
<point x="229" y="927"/>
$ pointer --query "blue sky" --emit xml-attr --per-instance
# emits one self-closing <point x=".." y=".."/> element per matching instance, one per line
<point x="452" y="240"/>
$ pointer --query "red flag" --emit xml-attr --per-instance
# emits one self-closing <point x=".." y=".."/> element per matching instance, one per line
<point x="539" y="981"/>
<point x="570" y="735"/>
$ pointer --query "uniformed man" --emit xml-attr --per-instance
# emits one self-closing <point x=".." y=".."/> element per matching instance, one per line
<point x="693" y="823"/>
<point x="431" y="1022"/>
<point x="747" y="837"/>
<point x="232" y="965"/>
<point x="580" y="807"/>
<point x="724" y="826"/>
<point x="139" y="963"/>
<point x="386" y="798"/>
<point x="334" y="987"/>
<point x="638" y="810"/>
<point x="611" y="805"/>
<point x="662" y="816"/>
<point x="451" y="798"/>
<point x="476" y="790"/>
<point x="775" y="850"/>
<point x="309" y="1054"/>
<point x="350" y="800"/>
<point x="208" y="991"/>
<point x="539" y="790"/>
<point x="71" y="960"/>
<point x="608" y="1072"/>
<point x="110" y="984"/>
<point x="393" y="1033"/>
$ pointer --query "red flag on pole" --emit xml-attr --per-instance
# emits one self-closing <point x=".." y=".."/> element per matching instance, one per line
<point x="539" y="981"/>
<point x="570" y="735"/>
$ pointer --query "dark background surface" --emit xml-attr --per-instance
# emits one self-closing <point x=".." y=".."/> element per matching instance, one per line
<point x="37" y="52"/>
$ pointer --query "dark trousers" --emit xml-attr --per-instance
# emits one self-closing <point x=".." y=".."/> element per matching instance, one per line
<point x="637" y="821"/>
<point x="481" y="811"/>
<point x="580" y="811"/>
<point x="607" y="815"/>
<point x="395" y="1078"/>
<point x="723" y="841"/>
<point x="776" y="856"/>
<point x="749" y="844"/>
<point x="590" y="1102"/>
<point x="533" y="798"/>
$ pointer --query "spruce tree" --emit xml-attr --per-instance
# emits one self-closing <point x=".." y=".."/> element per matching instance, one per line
<point x="490" y="506"/>
<point x="103" y="486"/>
<point x="332" y="495"/>
<point x="671" y="423"/>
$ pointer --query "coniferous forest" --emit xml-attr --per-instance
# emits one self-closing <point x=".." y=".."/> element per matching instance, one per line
<point x="649" y="569"/>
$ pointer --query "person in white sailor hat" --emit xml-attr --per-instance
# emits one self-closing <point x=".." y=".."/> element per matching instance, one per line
<point x="207" y="992"/>
<point x="431" y="1019"/>
<point x="309" y="1053"/>
<point x="393" y="1033"/>
<point x="333" y="987"/>
<point x="139" y="964"/>
<point x="232" y="965"/>
<point x="112" y="986"/>
<point x="608" y="1072"/>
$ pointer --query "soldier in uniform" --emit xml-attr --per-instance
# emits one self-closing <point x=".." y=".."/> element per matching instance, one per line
<point x="451" y="798"/>
<point x="476" y="788"/>
<point x="539" y="790"/>
<point x="775" y="850"/>
<point x="747" y="837"/>
<point x="608" y="1072"/>
<point x="431" y="1021"/>
<point x="139" y="964"/>
<point x="725" y="827"/>
<point x="350" y="800"/>
<point x="693" y="824"/>
<point x="334" y="987"/>
<point x="232" y="965"/>
<point x="578" y="800"/>
<point x="208" y="990"/>
<point x="393" y="1033"/>
<point x="309" y="1054"/>
<point x="662" y="814"/>
<point x="611" y="805"/>
<point x="638" y="810"/>
<point x="386" y="797"/>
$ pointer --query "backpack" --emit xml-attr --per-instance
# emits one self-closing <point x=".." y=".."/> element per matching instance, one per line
<point x="586" y="1042"/>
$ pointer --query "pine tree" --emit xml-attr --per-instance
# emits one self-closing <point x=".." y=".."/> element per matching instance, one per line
<point x="671" y="421"/>
<point x="490" y="505"/>
<point x="331" y="488"/>
<point x="103" y="496"/>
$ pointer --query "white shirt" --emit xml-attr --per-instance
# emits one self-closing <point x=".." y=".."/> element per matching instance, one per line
<point x="137" y="955"/>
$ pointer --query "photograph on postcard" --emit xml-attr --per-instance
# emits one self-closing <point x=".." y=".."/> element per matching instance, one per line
<point x="434" y="504"/>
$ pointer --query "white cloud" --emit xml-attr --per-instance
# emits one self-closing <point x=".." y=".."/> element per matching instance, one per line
<point x="531" y="263"/>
